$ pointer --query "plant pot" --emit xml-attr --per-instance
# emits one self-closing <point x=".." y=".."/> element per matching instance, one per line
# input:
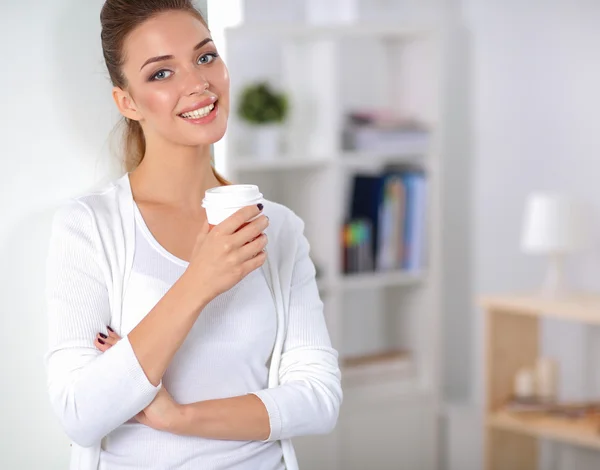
<point x="266" y="141"/>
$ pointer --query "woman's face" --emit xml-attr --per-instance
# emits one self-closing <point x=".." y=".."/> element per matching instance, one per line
<point x="178" y="87"/>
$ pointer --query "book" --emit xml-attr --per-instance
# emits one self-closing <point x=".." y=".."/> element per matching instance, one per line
<point x="387" y="218"/>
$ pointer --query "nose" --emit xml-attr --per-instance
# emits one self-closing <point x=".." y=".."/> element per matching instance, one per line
<point x="196" y="83"/>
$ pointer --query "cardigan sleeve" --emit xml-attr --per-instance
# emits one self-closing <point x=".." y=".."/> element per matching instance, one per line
<point x="309" y="396"/>
<point x="91" y="392"/>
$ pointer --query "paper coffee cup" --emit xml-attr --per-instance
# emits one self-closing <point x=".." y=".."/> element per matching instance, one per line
<point x="223" y="201"/>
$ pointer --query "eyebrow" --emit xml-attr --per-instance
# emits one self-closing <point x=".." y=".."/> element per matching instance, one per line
<point x="169" y="57"/>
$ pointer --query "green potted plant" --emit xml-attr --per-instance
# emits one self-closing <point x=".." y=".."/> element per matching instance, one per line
<point x="265" y="110"/>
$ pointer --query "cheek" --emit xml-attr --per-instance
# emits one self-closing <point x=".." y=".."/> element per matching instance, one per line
<point x="221" y="83"/>
<point x="158" y="103"/>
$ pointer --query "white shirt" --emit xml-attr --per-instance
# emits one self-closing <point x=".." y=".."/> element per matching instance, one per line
<point x="90" y="260"/>
<point x="225" y="355"/>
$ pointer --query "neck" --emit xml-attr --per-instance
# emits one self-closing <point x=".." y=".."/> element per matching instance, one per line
<point x="174" y="176"/>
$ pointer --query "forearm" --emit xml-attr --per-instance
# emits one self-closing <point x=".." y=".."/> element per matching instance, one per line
<point x="242" y="418"/>
<point x="91" y="397"/>
<point x="156" y="339"/>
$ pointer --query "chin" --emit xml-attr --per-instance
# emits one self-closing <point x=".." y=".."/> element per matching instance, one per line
<point x="200" y="135"/>
<point x="209" y="136"/>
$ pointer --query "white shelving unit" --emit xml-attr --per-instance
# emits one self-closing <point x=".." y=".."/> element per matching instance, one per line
<point x="386" y="324"/>
<point x="346" y="160"/>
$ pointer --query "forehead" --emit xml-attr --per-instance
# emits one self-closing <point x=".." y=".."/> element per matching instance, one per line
<point x="169" y="33"/>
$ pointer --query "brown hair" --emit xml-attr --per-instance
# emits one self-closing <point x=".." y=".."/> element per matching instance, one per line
<point x="119" y="18"/>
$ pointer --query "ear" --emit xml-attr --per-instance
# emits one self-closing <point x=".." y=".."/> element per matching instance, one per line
<point x="125" y="104"/>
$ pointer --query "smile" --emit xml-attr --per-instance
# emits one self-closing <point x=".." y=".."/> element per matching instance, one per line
<point x="203" y="114"/>
<point x="199" y="113"/>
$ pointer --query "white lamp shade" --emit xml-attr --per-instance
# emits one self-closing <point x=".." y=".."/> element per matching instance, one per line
<point x="552" y="225"/>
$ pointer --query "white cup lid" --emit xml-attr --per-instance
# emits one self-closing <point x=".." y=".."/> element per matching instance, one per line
<point x="233" y="195"/>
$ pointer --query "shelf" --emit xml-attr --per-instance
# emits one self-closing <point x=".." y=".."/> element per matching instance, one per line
<point x="379" y="378"/>
<point x="305" y="31"/>
<point x="386" y="365"/>
<point x="379" y="279"/>
<point x="250" y="164"/>
<point x="582" y="307"/>
<point x="347" y="160"/>
<point x="581" y="432"/>
<point x="377" y="160"/>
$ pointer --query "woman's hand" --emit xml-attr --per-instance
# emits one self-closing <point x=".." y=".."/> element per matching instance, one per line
<point x="105" y="342"/>
<point x="163" y="413"/>
<point x="223" y="256"/>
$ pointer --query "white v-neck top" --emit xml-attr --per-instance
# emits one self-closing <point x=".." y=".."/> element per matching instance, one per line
<point x="226" y="354"/>
<point x="90" y="273"/>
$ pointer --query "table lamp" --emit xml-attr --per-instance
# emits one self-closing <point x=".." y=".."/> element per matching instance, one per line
<point x="552" y="226"/>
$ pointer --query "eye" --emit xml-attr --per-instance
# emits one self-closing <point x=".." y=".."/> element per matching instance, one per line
<point x="207" y="58"/>
<point x="161" y="75"/>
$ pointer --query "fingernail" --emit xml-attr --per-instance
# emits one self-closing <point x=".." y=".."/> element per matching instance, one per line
<point x="102" y="335"/>
<point x="260" y="207"/>
<point x="110" y="329"/>
<point x="101" y="341"/>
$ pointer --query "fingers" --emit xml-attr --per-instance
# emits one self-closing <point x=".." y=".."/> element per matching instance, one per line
<point x="112" y="334"/>
<point x="101" y="344"/>
<point x="239" y="218"/>
<point x="250" y="231"/>
<point x="105" y="341"/>
<point x="254" y="263"/>
<point x="253" y="248"/>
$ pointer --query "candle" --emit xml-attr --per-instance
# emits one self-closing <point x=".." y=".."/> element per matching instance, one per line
<point x="524" y="386"/>
<point x="546" y="371"/>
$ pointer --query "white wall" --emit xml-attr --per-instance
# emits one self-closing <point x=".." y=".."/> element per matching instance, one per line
<point x="57" y="115"/>
<point x="535" y="73"/>
<point x="536" y="96"/>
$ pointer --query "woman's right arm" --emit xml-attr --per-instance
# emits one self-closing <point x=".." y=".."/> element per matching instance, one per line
<point x="93" y="393"/>
<point x="220" y="260"/>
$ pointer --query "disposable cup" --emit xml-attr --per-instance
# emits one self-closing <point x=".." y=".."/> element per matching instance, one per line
<point x="223" y="201"/>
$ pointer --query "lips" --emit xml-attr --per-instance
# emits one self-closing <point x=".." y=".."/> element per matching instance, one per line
<point x="198" y="113"/>
<point x="200" y="105"/>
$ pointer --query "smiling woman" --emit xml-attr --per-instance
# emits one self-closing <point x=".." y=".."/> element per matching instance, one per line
<point x="173" y="345"/>
<point x="135" y="31"/>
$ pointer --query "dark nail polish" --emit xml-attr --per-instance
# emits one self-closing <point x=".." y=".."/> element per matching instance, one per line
<point x="260" y="207"/>
<point x="110" y="329"/>
<point x="101" y="341"/>
<point x="102" y="335"/>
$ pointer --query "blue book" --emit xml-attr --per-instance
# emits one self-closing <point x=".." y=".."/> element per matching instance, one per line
<point x="367" y="197"/>
<point x="414" y="227"/>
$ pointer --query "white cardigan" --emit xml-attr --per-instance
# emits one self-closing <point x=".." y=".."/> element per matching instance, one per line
<point x="89" y="261"/>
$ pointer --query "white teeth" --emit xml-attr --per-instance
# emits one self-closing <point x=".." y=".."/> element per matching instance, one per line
<point x="199" y="113"/>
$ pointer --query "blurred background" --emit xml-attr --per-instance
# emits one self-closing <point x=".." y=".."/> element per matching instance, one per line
<point x="444" y="156"/>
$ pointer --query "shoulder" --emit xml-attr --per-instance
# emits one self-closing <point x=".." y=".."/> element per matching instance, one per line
<point x="86" y="204"/>
<point x="80" y="212"/>
<point x="102" y="196"/>
<point x="283" y="220"/>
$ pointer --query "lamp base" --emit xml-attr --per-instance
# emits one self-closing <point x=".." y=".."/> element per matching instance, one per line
<point x="554" y="285"/>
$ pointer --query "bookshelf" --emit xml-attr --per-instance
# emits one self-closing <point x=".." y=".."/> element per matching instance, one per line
<point x="385" y="324"/>
<point x="512" y="342"/>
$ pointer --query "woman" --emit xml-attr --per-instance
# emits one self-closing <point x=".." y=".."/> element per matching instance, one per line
<point x="224" y="354"/>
